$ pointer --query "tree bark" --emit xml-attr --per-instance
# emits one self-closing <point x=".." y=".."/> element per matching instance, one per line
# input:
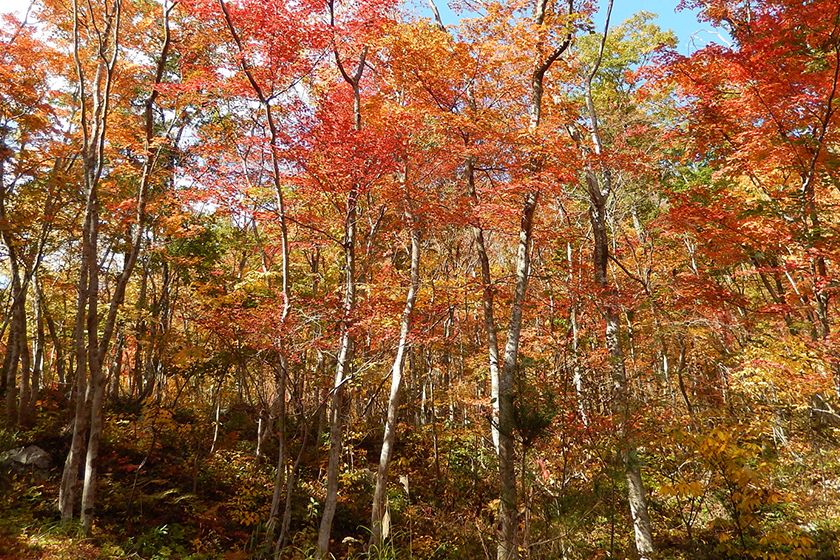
<point x="279" y="477"/>
<point x="508" y="508"/>
<point x="345" y="344"/>
<point x="379" y="495"/>
<point x="39" y="343"/>
<point x="599" y="187"/>
<point x="336" y="411"/>
<point x="507" y="453"/>
<point x="487" y="308"/>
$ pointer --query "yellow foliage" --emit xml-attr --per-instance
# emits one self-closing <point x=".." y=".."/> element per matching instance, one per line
<point x="782" y="371"/>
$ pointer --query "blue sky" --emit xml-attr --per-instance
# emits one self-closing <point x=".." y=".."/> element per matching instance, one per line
<point x="692" y="34"/>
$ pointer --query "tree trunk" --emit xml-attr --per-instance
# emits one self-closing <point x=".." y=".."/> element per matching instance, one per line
<point x="26" y="402"/>
<point x="10" y="362"/>
<point x="507" y="453"/>
<point x="279" y="478"/>
<point x="140" y="330"/>
<point x="487" y="308"/>
<point x="57" y="345"/>
<point x="10" y="365"/>
<point x="98" y="345"/>
<point x="577" y="370"/>
<point x="91" y="459"/>
<point x="345" y="344"/>
<point x="38" y="358"/>
<point x="81" y="417"/>
<point x="598" y="196"/>
<point x="116" y="368"/>
<point x="336" y="411"/>
<point x="379" y="494"/>
<point x="508" y="508"/>
<point x="17" y="349"/>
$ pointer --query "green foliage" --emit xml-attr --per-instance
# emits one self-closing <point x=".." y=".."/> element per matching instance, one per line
<point x="723" y="487"/>
<point x="245" y="484"/>
<point x="161" y="543"/>
<point x="199" y="244"/>
<point x="9" y="439"/>
<point x="534" y="409"/>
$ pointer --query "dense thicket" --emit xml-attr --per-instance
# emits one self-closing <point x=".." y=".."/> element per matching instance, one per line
<point x="307" y="278"/>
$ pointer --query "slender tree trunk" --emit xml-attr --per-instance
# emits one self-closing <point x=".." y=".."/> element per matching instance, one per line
<point x="10" y="365"/>
<point x="93" y="127"/>
<point x="116" y="368"/>
<point x="274" y="514"/>
<point x="507" y="453"/>
<point x="98" y="345"/>
<point x="216" y="418"/>
<point x="291" y="480"/>
<point x="7" y="364"/>
<point x="336" y="411"/>
<point x="96" y="381"/>
<point x="509" y="507"/>
<point x="577" y="373"/>
<point x="69" y="479"/>
<point x="17" y="348"/>
<point x="621" y="391"/>
<point x="57" y="346"/>
<point x="379" y="494"/>
<point x="10" y="362"/>
<point x="26" y="402"/>
<point x="265" y="101"/>
<point x="140" y="330"/>
<point x="40" y="341"/>
<point x="97" y="385"/>
<point x="487" y="308"/>
<point x="598" y="196"/>
<point x="345" y="344"/>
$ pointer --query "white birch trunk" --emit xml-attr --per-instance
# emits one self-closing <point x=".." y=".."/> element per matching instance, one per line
<point x="379" y="507"/>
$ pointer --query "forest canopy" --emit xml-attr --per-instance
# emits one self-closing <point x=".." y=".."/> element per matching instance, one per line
<point x="348" y="279"/>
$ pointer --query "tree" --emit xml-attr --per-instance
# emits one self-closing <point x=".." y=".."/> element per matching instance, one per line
<point x="102" y="43"/>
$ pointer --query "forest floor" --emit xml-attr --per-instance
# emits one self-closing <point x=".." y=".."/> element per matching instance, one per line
<point x="166" y="493"/>
<point x="26" y="537"/>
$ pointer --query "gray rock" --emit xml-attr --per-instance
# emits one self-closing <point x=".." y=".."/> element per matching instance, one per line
<point x="31" y="455"/>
